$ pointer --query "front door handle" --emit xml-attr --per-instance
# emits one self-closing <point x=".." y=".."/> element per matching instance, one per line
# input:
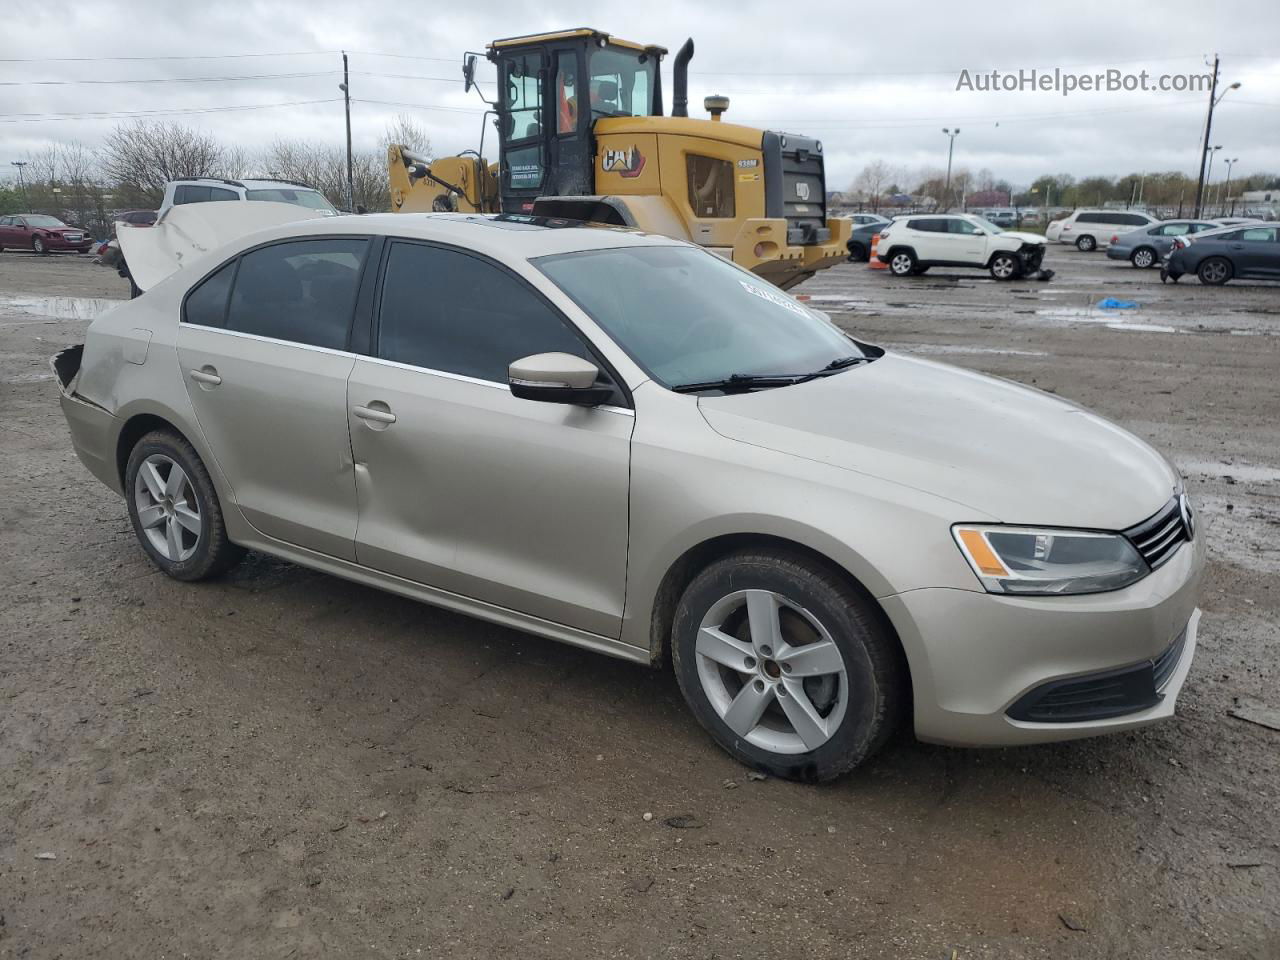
<point x="206" y="376"/>
<point x="376" y="412"/>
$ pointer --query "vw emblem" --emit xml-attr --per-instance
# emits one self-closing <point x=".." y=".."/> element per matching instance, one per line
<point x="1188" y="518"/>
<point x="802" y="191"/>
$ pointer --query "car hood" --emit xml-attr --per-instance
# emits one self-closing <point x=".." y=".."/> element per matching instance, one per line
<point x="1023" y="237"/>
<point x="1001" y="449"/>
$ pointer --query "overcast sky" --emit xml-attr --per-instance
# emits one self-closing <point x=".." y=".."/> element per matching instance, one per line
<point x="872" y="83"/>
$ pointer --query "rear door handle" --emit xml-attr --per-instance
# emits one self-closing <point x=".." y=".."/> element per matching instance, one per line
<point x="206" y="375"/>
<point x="378" y="414"/>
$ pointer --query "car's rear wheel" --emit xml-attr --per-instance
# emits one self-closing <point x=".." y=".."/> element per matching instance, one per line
<point x="39" y="246"/>
<point x="786" y="665"/>
<point x="857" y="252"/>
<point x="175" y="510"/>
<point x="1086" y="243"/>
<point x="1005" y="266"/>
<point x="902" y="263"/>
<point x="1215" y="271"/>
<point x="1143" y="258"/>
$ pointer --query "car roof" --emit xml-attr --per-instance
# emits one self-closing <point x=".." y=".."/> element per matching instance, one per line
<point x="502" y="236"/>
<point x="275" y="185"/>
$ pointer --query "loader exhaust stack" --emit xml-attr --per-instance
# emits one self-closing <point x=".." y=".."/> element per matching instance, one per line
<point x="680" y="80"/>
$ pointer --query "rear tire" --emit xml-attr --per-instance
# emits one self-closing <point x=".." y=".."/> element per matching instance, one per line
<point x="1144" y="258"/>
<point x="858" y="253"/>
<point x="175" y="510"/>
<point x="1086" y="244"/>
<point x="1215" y="271"/>
<point x="902" y="263"/>
<point x="788" y="666"/>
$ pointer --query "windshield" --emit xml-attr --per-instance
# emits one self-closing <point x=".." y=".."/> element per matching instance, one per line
<point x="301" y="197"/>
<point x="619" y="84"/>
<point x="987" y="225"/>
<point x="687" y="316"/>
<point x="40" y="220"/>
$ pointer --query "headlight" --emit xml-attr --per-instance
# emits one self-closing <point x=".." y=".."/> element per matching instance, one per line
<point x="1025" y="560"/>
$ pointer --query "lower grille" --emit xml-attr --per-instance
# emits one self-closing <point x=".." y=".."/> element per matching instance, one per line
<point x="1099" y="696"/>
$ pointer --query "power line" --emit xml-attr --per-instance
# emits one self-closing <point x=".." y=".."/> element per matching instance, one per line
<point x="418" y="106"/>
<point x="258" y="76"/>
<point x="186" y="56"/>
<point x="123" y="115"/>
<point x="404" y="76"/>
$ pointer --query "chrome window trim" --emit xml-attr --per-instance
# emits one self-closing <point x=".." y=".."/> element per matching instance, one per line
<point x="259" y="337"/>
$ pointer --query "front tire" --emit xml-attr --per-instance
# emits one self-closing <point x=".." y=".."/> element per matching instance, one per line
<point x="1215" y="271"/>
<point x="858" y="253"/>
<point x="902" y="263"/>
<point x="1086" y="244"/>
<point x="1144" y="258"/>
<point x="788" y="667"/>
<point x="1005" y="266"/>
<point x="39" y="246"/>
<point x="175" y="510"/>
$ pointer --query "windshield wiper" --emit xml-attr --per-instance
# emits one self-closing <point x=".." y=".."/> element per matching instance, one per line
<point x="741" y="381"/>
<point x="841" y="362"/>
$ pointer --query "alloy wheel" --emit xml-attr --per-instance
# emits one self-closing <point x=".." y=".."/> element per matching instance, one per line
<point x="772" y="672"/>
<point x="1144" y="258"/>
<point x="167" y="507"/>
<point x="1214" y="271"/>
<point x="901" y="264"/>
<point x="1002" y="267"/>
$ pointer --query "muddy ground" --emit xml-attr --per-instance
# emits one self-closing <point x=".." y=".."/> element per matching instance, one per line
<point x="282" y="764"/>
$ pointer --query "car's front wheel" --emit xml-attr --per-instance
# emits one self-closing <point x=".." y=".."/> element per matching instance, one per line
<point x="787" y="665"/>
<point x="1143" y="258"/>
<point x="857" y="252"/>
<point x="1215" y="271"/>
<point x="39" y="246"/>
<point x="902" y="263"/>
<point x="175" y="510"/>
<point x="1086" y="244"/>
<point x="1004" y="266"/>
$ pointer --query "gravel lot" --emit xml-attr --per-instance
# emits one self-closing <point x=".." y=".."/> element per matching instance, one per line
<point x="281" y="764"/>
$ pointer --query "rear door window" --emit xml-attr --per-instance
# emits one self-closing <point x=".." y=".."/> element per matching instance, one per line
<point x="303" y="291"/>
<point x="1259" y="234"/>
<point x="446" y="310"/>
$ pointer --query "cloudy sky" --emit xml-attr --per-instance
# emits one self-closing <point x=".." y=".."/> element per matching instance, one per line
<point x="873" y="85"/>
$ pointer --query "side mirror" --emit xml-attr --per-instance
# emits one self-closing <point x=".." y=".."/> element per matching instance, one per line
<point x="468" y="72"/>
<point x="557" y="378"/>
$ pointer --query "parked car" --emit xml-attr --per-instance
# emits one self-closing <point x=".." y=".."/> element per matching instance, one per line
<point x="212" y="189"/>
<point x="1232" y="253"/>
<point x="625" y="442"/>
<point x="862" y="219"/>
<point x="1001" y="217"/>
<point x="1234" y="221"/>
<point x="1091" y="229"/>
<point x="911" y="245"/>
<point x="1147" y="246"/>
<point x="41" y="234"/>
<point x="860" y="240"/>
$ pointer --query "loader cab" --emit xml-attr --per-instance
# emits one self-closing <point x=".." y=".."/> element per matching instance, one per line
<point x="551" y="89"/>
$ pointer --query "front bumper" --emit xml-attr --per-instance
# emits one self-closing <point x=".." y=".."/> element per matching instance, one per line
<point x="975" y="656"/>
<point x="55" y="243"/>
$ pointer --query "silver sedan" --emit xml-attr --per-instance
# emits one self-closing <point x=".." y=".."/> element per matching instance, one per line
<point x="625" y="442"/>
<point x="1148" y="246"/>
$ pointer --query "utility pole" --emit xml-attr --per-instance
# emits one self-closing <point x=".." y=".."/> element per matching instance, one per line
<point x="1209" y="176"/>
<point x="1208" y="127"/>
<point x="21" y="183"/>
<point x="345" y="87"/>
<point x="951" y="146"/>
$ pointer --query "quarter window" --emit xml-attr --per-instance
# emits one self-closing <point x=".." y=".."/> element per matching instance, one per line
<point x="710" y="186"/>
<point x="446" y="310"/>
<point x="303" y="291"/>
<point x="207" y="303"/>
<point x="1256" y="234"/>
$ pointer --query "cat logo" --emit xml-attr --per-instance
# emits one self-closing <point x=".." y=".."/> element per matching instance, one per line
<point x="802" y="190"/>
<point x="625" y="163"/>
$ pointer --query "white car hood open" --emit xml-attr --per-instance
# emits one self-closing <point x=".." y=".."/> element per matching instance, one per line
<point x="187" y="232"/>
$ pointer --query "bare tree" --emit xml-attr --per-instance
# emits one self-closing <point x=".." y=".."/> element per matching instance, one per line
<point x="872" y="180"/>
<point x="407" y="132"/>
<point x="144" y="155"/>
<point x="325" y="168"/>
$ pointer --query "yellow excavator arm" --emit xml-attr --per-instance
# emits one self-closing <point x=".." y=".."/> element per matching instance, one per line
<point x="463" y="183"/>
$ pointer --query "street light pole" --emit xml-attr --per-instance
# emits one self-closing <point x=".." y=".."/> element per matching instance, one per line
<point x="22" y="183"/>
<point x="1230" y="165"/>
<point x="951" y="145"/>
<point x="345" y="87"/>
<point x="1208" y="177"/>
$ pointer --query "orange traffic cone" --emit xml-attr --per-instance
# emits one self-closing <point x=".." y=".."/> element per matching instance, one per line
<point x="873" y="262"/>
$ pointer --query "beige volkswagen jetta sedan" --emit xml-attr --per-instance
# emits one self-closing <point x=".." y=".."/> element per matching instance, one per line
<point x="624" y="442"/>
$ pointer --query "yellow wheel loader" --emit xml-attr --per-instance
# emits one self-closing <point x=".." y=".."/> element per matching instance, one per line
<point x="582" y="136"/>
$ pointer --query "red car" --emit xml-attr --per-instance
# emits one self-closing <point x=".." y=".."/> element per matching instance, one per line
<point x="41" y="234"/>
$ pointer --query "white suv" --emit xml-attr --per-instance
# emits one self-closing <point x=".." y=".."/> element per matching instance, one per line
<point x="913" y="244"/>
<point x="207" y="189"/>
<point x="1093" y="229"/>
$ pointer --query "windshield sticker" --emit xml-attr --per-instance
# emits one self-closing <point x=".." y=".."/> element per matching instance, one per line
<point x="781" y="299"/>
